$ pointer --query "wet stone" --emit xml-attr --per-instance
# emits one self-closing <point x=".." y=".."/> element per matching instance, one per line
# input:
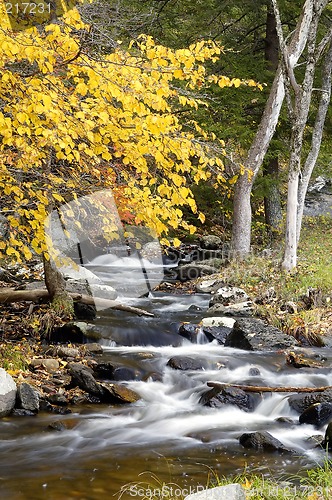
<point x="119" y="394"/>
<point x="189" y="332"/>
<point x="300" y="402"/>
<point x="57" y="426"/>
<point x="21" y="412"/>
<point x="58" y="399"/>
<point x="185" y="363"/>
<point x="262" y="441"/>
<point x="317" y="414"/>
<point x="27" y="397"/>
<point x="216" y="398"/>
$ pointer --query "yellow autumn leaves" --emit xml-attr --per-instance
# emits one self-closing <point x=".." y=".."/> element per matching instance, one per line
<point x="71" y="124"/>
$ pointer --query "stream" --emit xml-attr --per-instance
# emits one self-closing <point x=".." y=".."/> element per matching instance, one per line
<point x="167" y="436"/>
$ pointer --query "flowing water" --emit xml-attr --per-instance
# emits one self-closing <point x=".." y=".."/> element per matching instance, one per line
<point x="167" y="436"/>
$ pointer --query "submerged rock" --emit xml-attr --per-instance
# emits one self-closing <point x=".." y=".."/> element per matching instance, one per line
<point x="253" y="334"/>
<point x="262" y="441"/>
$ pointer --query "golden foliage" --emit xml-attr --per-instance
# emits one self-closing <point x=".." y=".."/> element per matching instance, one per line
<point x="71" y="124"/>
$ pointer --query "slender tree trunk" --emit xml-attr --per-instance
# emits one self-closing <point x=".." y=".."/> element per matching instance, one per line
<point x="61" y="301"/>
<point x="317" y="136"/>
<point x="302" y="101"/>
<point x="272" y="203"/>
<point x="241" y="230"/>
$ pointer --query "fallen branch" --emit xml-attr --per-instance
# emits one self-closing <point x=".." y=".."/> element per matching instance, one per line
<point x="258" y="388"/>
<point x="8" y="295"/>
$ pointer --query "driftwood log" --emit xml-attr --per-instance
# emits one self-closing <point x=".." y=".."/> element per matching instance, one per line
<point x="258" y="388"/>
<point x="8" y="295"/>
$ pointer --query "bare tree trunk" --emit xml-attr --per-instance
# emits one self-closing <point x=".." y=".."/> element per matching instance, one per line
<point x="272" y="203"/>
<point x="302" y="101"/>
<point x="241" y="231"/>
<point x="55" y="283"/>
<point x="317" y="135"/>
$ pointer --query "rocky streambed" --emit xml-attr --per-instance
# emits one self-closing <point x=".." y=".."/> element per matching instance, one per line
<point x="166" y="394"/>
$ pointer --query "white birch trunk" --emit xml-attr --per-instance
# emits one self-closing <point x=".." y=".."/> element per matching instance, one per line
<point x="317" y="135"/>
<point x="241" y="231"/>
<point x="303" y="95"/>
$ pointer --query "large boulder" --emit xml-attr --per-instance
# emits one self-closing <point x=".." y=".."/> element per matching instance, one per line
<point x="218" y="333"/>
<point x="262" y="441"/>
<point x="228" y="492"/>
<point x="7" y="393"/>
<point x="253" y="334"/>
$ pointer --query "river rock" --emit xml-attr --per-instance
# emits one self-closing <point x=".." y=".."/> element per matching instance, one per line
<point x="300" y="402"/>
<point x="195" y="270"/>
<point x="224" y="321"/>
<point x="124" y="373"/>
<point x="7" y="393"/>
<point x="253" y="334"/>
<point x="83" y="377"/>
<point x="262" y="441"/>
<point x="209" y="285"/>
<point x="185" y="363"/>
<point x="317" y="414"/>
<point x="189" y="331"/>
<point x="210" y="242"/>
<point x="119" y="394"/>
<point x="85" y="311"/>
<point x="27" y="397"/>
<point x="216" y="398"/>
<point x="68" y="352"/>
<point x="327" y="441"/>
<point x="228" y="295"/>
<point x="228" y="492"/>
<point x="104" y="369"/>
<point x="93" y="348"/>
<point x="57" y="399"/>
<point x="218" y="333"/>
<point x="79" y="274"/>
<point x="49" y="364"/>
<point x="75" y="332"/>
<point x="242" y="309"/>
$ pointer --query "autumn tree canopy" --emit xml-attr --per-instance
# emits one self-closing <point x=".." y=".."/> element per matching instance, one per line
<point x="72" y="122"/>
